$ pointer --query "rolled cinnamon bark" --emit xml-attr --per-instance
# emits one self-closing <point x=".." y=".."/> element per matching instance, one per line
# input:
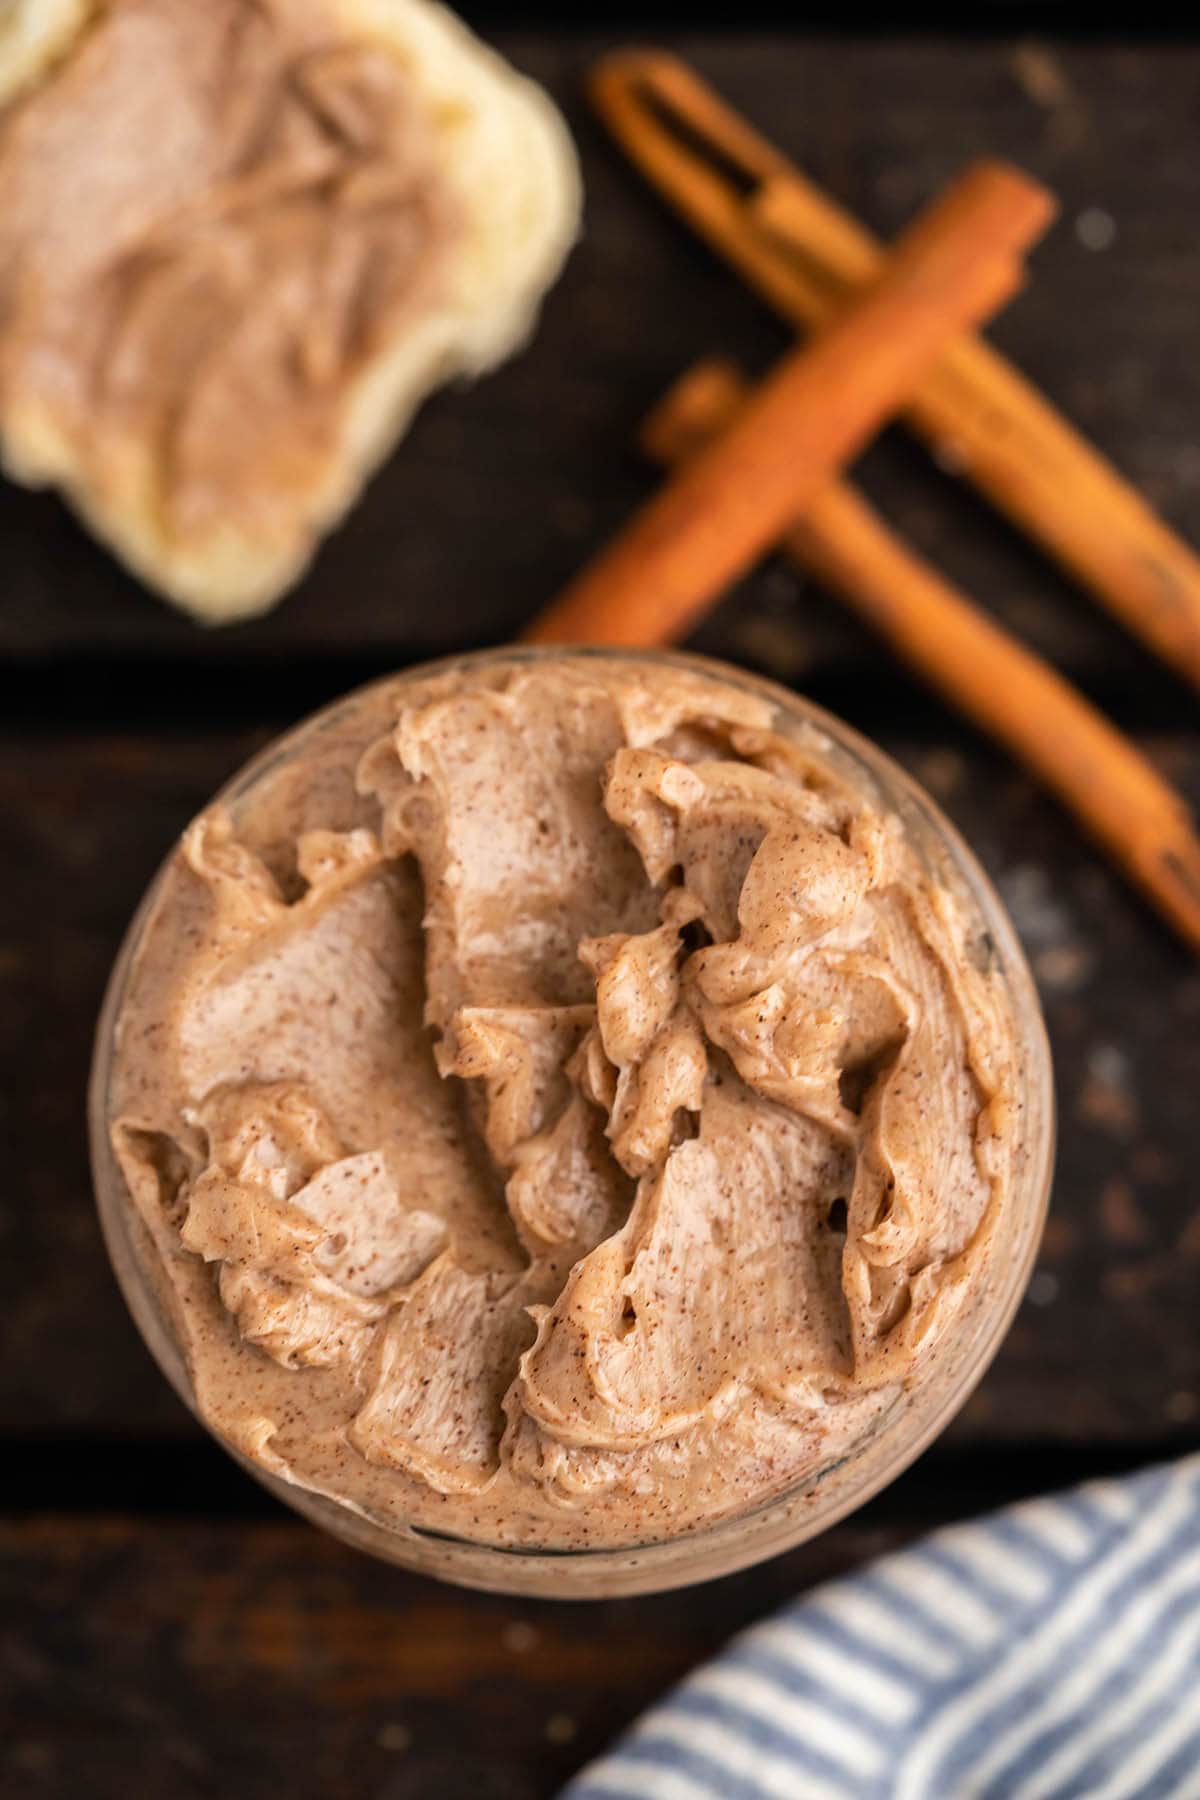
<point x="954" y="267"/>
<point x="1117" y="795"/>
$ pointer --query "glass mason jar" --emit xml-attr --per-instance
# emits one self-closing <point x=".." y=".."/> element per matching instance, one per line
<point x="956" y="1362"/>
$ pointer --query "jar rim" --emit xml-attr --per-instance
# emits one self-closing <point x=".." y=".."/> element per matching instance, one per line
<point x="770" y="1526"/>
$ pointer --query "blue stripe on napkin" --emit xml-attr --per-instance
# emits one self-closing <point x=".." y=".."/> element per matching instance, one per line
<point x="1049" y="1652"/>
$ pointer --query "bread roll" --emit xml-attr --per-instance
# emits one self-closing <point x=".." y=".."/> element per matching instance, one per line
<point x="240" y="241"/>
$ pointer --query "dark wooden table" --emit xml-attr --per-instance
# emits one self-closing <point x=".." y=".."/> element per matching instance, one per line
<point x="162" y="1623"/>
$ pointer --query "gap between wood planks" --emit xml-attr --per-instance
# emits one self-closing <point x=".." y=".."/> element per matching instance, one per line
<point x="153" y="695"/>
<point x="85" y="1475"/>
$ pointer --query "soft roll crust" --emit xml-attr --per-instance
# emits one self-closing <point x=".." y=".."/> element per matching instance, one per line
<point x="209" y="343"/>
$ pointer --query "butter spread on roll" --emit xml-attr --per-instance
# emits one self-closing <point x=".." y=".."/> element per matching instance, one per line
<point x="559" y="1109"/>
<point x="240" y="240"/>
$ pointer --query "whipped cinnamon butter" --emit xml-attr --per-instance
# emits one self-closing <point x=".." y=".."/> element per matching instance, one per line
<point x="213" y="215"/>
<point x="561" y="1110"/>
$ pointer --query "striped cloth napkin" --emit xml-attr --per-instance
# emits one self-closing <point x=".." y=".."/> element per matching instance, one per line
<point x="1051" y="1650"/>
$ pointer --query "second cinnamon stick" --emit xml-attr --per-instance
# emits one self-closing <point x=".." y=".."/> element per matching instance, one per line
<point x="999" y="684"/>
<point x="954" y="267"/>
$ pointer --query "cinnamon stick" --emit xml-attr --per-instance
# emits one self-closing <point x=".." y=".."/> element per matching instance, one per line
<point x="821" y="404"/>
<point x="804" y="253"/>
<point x="1126" y="806"/>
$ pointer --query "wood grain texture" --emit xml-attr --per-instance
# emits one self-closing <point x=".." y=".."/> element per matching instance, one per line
<point x="255" y="1659"/>
<point x="251" y="1659"/>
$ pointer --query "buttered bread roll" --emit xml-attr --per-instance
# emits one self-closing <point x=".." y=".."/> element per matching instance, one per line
<point x="240" y="241"/>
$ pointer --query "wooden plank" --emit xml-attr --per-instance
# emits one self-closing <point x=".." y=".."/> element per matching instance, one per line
<point x="499" y="493"/>
<point x="90" y="816"/>
<point x="254" y="1659"/>
<point x="90" y="820"/>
